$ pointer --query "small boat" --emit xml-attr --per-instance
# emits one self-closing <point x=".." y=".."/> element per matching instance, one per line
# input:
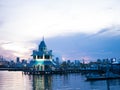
<point x="105" y="76"/>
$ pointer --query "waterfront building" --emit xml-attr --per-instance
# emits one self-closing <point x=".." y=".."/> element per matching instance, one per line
<point x="42" y="58"/>
<point x="11" y="64"/>
<point x="77" y="63"/>
<point x="18" y="64"/>
<point x="18" y="60"/>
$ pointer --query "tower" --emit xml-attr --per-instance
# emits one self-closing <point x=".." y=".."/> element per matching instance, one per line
<point x="42" y="58"/>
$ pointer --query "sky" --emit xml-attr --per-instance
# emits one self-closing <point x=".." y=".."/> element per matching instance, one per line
<point x="73" y="29"/>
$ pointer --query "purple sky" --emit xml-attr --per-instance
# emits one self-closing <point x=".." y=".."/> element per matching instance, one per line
<point x="73" y="29"/>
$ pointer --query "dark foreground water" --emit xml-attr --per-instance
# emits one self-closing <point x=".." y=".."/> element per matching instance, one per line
<point x="19" y="81"/>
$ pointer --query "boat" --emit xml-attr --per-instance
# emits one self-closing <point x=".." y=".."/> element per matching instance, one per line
<point x="105" y="76"/>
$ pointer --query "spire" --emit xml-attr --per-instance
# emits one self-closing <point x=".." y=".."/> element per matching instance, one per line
<point x="42" y="45"/>
<point x="43" y="38"/>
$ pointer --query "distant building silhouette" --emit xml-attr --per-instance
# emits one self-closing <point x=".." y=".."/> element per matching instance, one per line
<point x="17" y="59"/>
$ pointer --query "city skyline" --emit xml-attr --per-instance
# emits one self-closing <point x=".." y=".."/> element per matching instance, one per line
<point x="73" y="29"/>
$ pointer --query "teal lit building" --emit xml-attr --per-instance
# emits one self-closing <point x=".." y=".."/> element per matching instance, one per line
<point x="42" y="58"/>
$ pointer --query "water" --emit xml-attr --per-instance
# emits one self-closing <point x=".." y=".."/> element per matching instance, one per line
<point x="18" y="81"/>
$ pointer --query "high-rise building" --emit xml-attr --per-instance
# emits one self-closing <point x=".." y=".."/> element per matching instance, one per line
<point x="17" y="59"/>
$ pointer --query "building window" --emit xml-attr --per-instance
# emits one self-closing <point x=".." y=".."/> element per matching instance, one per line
<point x="41" y="57"/>
<point x="47" y="57"/>
<point x="38" y="57"/>
<point x="34" y="57"/>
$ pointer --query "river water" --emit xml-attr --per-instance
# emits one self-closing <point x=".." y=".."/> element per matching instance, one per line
<point x="11" y="80"/>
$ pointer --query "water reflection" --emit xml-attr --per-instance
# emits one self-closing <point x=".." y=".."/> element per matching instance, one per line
<point x="105" y="84"/>
<point x="19" y="81"/>
<point x="14" y="80"/>
<point x="108" y="84"/>
<point x="72" y="82"/>
<point x="42" y="82"/>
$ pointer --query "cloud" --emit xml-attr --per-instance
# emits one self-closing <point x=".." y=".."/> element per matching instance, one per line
<point x="73" y="46"/>
<point x="3" y="43"/>
<point x="35" y="19"/>
<point x="81" y="45"/>
<point x="1" y="23"/>
<point x="16" y="49"/>
<point x="111" y="31"/>
<point x="102" y="31"/>
<point x="6" y="53"/>
<point x="69" y="26"/>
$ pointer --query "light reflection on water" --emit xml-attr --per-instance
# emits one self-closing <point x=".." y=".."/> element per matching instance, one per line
<point x="14" y="81"/>
<point x="19" y="81"/>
